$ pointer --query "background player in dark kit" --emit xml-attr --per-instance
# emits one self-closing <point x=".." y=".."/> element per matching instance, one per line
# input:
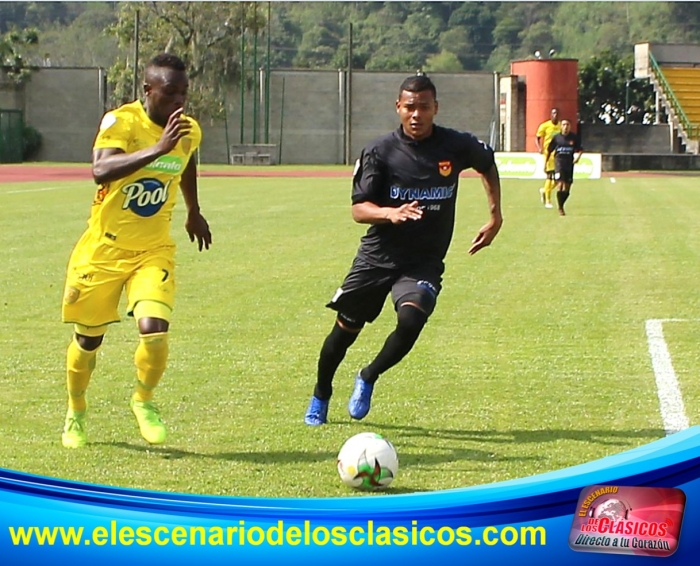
<point x="564" y="146"/>
<point x="405" y="187"/>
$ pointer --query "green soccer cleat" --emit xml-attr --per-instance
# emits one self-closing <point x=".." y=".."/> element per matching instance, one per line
<point x="147" y="415"/>
<point x="74" y="430"/>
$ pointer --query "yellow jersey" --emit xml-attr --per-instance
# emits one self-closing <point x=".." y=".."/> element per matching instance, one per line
<point x="547" y="131"/>
<point x="134" y="213"/>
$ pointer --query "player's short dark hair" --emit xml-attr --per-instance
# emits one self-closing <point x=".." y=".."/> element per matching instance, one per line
<point x="418" y="83"/>
<point x="168" y="61"/>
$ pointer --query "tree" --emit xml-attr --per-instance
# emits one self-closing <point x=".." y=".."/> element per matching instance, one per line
<point x="469" y="33"/>
<point x="319" y="45"/>
<point x="206" y="35"/>
<point x="13" y="47"/>
<point x="444" y="62"/>
<point x="607" y="91"/>
<point x="64" y="45"/>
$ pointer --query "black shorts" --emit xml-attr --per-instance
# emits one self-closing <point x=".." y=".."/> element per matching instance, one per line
<point x="565" y="175"/>
<point x="361" y="297"/>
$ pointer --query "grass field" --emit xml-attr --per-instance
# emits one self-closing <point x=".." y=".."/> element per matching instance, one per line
<point x="536" y="358"/>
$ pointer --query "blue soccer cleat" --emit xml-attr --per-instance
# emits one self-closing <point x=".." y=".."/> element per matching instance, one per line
<point x="361" y="398"/>
<point x="317" y="413"/>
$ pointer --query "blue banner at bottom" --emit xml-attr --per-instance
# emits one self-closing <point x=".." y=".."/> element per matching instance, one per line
<point x="557" y="517"/>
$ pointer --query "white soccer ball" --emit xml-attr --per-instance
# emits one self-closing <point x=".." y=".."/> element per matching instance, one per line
<point x="368" y="461"/>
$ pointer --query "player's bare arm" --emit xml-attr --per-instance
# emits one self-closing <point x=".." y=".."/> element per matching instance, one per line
<point x="487" y="233"/>
<point x="195" y="225"/>
<point x="538" y="143"/>
<point x="111" y="164"/>
<point x="371" y="213"/>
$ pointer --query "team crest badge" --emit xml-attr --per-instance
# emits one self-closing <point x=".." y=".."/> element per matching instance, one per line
<point x="445" y="168"/>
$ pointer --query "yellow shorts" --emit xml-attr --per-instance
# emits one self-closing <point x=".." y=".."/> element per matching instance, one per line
<point x="550" y="164"/>
<point x="98" y="273"/>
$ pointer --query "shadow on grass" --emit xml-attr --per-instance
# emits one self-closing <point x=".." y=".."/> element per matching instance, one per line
<point x="275" y="457"/>
<point x="593" y="436"/>
<point x="262" y="458"/>
<point x="451" y="448"/>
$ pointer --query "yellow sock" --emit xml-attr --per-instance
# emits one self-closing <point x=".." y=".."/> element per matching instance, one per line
<point x="150" y="359"/>
<point x="79" y="367"/>
<point x="549" y="185"/>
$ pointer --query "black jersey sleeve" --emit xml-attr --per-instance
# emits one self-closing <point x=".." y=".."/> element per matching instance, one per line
<point x="477" y="154"/>
<point x="368" y="177"/>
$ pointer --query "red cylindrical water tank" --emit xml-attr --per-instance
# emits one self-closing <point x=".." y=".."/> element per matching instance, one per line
<point x="549" y="83"/>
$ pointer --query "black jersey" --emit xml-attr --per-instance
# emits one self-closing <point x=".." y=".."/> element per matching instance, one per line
<point x="564" y="147"/>
<point x="394" y="170"/>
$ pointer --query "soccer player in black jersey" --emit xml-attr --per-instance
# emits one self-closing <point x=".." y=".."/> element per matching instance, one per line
<point x="567" y="151"/>
<point x="405" y="188"/>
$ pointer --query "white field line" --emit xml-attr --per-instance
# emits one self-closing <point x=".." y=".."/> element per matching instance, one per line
<point x="35" y="190"/>
<point x="670" y="398"/>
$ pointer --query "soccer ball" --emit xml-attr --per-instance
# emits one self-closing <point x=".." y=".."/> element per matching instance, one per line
<point x="368" y="461"/>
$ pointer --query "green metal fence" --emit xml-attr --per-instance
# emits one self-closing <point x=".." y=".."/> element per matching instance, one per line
<point x="11" y="138"/>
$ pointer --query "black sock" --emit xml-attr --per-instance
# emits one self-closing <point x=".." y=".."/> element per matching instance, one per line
<point x="560" y="199"/>
<point x="398" y="343"/>
<point x="564" y="197"/>
<point x="332" y="353"/>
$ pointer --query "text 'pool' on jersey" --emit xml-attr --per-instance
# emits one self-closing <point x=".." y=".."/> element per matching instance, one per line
<point x="432" y="193"/>
<point x="145" y="197"/>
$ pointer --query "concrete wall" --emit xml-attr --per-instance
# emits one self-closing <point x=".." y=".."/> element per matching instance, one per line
<point x="630" y="138"/>
<point x="679" y="54"/>
<point x="308" y="113"/>
<point x="11" y="96"/>
<point x="647" y="162"/>
<point x="467" y="102"/>
<point x="512" y="114"/>
<point x="65" y="105"/>
<point x="218" y="136"/>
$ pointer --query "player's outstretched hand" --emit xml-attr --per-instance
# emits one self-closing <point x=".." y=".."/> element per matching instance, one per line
<point x="197" y="227"/>
<point x="411" y="211"/>
<point x="176" y="128"/>
<point x="486" y="235"/>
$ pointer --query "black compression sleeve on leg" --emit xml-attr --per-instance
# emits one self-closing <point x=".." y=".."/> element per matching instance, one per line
<point x="410" y="322"/>
<point x="332" y="353"/>
<point x="560" y="199"/>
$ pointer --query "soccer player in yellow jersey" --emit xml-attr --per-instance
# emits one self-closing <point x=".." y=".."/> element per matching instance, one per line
<point x="546" y="131"/>
<point x="142" y="153"/>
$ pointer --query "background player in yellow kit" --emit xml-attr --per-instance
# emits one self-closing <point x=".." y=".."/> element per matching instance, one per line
<point x="142" y="153"/>
<point x="545" y="132"/>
